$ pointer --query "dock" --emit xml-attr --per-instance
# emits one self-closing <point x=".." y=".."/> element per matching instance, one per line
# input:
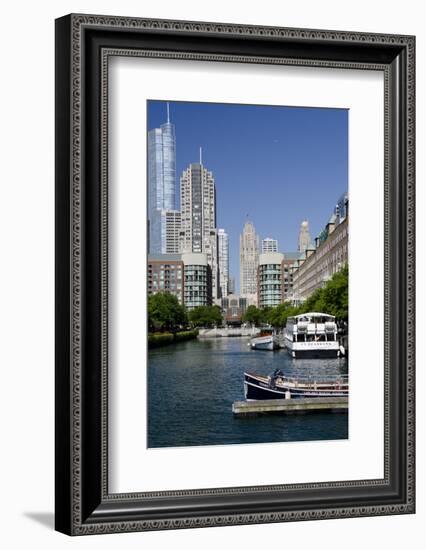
<point x="291" y="406"/>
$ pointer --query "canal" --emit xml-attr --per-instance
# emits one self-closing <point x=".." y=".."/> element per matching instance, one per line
<point x="192" y="385"/>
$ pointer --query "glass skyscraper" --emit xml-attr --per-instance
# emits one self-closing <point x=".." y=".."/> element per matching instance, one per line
<point x="161" y="181"/>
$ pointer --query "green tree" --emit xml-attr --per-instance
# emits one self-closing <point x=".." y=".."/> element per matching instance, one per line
<point x="336" y="294"/>
<point x="314" y="302"/>
<point x="165" y="312"/>
<point x="277" y="316"/>
<point x="253" y="315"/>
<point x="205" y="316"/>
<point x="333" y="298"/>
<point x="265" y="313"/>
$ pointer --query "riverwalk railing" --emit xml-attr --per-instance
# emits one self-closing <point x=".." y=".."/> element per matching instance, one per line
<point x="321" y="379"/>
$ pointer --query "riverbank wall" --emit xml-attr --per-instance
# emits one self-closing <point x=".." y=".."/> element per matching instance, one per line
<point x="167" y="338"/>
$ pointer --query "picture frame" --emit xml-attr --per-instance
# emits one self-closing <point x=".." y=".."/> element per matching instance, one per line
<point x="84" y="504"/>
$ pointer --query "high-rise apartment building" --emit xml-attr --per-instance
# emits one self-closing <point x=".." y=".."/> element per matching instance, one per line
<point x="223" y="261"/>
<point x="197" y="275"/>
<point x="198" y="231"/>
<point x="249" y="260"/>
<point x="304" y="236"/>
<point x="270" y="279"/>
<point x="161" y="182"/>
<point x="166" y="274"/>
<point x="186" y="276"/>
<point x="269" y="245"/>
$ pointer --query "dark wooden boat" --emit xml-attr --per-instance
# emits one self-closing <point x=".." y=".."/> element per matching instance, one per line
<point x="278" y="386"/>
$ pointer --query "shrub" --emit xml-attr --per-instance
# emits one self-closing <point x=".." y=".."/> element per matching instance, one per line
<point x="157" y="340"/>
<point x="186" y="335"/>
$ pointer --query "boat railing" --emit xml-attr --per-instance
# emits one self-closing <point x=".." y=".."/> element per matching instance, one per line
<point x="323" y="379"/>
<point x="312" y="328"/>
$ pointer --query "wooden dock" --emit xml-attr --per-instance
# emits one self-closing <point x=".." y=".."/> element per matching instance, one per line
<point x="291" y="406"/>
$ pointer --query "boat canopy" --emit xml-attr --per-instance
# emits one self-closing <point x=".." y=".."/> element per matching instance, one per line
<point x="312" y="317"/>
<point x="314" y="314"/>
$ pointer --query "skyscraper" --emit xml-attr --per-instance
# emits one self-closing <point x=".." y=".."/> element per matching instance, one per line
<point x="161" y="181"/>
<point x="269" y="245"/>
<point x="165" y="226"/>
<point x="249" y="260"/>
<point x="231" y="284"/>
<point x="223" y="261"/>
<point x="198" y="217"/>
<point x="304" y="237"/>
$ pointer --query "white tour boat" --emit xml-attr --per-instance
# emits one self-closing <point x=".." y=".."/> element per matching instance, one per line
<point x="312" y="335"/>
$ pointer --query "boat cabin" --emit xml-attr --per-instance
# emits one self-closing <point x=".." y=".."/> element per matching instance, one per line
<point x="311" y="327"/>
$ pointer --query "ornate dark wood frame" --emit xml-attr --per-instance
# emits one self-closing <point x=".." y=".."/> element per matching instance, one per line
<point x="83" y="45"/>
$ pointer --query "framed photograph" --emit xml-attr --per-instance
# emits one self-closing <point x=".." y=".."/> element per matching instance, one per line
<point x="234" y="274"/>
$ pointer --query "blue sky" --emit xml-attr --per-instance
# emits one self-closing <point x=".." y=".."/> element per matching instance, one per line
<point x="278" y="165"/>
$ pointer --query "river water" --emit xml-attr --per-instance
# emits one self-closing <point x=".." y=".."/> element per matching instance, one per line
<point x="192" y="385"/>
